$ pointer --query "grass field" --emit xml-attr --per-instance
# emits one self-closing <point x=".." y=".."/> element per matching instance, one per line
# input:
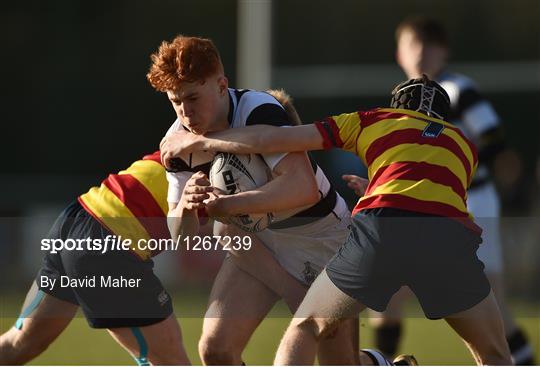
<point x="432" y="342"/>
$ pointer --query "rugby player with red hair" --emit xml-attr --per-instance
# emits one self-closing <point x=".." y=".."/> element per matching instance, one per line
<point x="189" y="71"/>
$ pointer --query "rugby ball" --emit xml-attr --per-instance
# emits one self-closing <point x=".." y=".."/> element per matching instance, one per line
<point x="234" y="173"/>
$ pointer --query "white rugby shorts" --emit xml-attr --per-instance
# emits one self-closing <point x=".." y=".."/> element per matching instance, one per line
<point x="303" y="251"/>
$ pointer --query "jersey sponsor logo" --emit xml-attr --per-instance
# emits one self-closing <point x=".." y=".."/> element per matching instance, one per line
<point x="433" y="130"/>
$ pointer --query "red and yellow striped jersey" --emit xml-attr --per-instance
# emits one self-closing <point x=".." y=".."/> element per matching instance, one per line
<point x="132" y="203"/>
<point x="415" y="162"/>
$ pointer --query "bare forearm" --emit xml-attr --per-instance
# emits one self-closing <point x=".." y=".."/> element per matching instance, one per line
<point x="294" y="172"/>
<point x="183" y="222"/>
<point x="262" y="139"/>
<point x="269" y="198"/>
<point x="239" y="141"/>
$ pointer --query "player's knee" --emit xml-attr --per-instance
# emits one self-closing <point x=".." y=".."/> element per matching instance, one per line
<point x="169" y="358"/>
<point x="23" y="346"/>
<point x="216" y="351"/>
<point x="319" y="328"/>
<point x="496" y="355"/>
<point x="33" y="346"/>
<point x="500" y="360"/>
<point x="492" y="350"/>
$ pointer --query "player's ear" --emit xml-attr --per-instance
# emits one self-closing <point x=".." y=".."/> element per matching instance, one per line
<point x="398" y="56"/>
<point x="223" y="84"/>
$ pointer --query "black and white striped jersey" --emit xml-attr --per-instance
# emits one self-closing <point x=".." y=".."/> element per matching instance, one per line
<point x="249" y="107"/>
<point x="475" y="116"/>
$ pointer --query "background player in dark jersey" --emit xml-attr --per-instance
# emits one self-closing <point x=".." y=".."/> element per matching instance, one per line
<point x="410" y="228"/>
<point x="422" y="47"/>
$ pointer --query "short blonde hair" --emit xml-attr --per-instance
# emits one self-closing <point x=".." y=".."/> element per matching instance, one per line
<point x="287" y="102"/>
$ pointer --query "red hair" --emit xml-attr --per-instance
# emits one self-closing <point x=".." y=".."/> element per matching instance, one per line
<point x="183" y="60"/>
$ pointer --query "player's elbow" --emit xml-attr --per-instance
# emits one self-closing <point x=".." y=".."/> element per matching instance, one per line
<point x="308" y="191"/>
<point x="314" y="195"/>
<point x="301" y="191"/>
<point x="298" y="173"/>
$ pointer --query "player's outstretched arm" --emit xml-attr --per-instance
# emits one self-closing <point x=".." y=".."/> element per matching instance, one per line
<point x="266" y="139"/>
<point x="251" y="139"/>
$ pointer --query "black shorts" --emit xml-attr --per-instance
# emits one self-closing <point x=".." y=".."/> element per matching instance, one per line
<point x="434" y="256"/>
<point x="115" y="289"/>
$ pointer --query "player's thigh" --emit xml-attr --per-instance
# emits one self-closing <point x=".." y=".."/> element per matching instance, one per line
<point x="238" y="303"/>
<point x="482" y="329"/>
<point x="161" y="342"/>
<point x="43" y="317"/>
<point x="326" y="305"/>
<point x="394" y="312"/>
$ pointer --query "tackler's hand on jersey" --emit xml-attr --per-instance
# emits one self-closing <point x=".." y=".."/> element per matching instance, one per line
<point x="196" y="191"/>
<point x="356" y="183"/>
<point x="176" y="143"/>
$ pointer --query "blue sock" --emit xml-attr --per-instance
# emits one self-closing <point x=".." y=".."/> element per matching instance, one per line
<point x="142" y="360"/>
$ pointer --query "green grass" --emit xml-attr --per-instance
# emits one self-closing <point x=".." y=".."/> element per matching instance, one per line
<point x="432" y="342"/>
